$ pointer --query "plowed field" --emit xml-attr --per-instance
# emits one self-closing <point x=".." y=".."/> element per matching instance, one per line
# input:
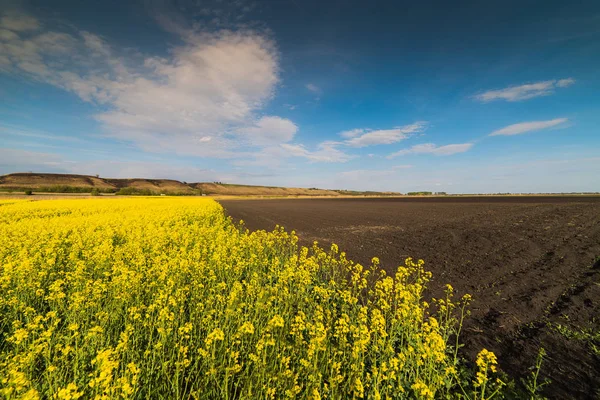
<point x="532" y="265"/>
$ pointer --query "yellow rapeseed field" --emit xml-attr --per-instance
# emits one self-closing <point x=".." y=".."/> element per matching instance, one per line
<point x="167" y="298"/>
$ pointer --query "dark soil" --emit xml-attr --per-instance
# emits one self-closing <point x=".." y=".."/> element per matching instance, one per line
<point x="532" y="265"/>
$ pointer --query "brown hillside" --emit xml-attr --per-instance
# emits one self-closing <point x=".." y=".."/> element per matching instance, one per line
<point x="244" y="190"/>
<point x="27" y="180"/>
<point x="81" y="183"/>
<point x="40" y="181"/>
<point x="151" y="184"/>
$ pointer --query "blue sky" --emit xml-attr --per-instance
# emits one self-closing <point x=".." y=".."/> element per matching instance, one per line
<point x="471" y="97"/>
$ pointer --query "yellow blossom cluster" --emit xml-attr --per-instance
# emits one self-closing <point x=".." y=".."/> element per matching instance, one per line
<point x="485" y="387"/>
<point x="168" y="298"/>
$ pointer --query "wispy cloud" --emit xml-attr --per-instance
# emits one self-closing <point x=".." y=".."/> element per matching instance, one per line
<point x="430" y="148"/>
<point x="565" y="82"/>
<point x="524" y="92"/>
<point x="14" y="160"/>
<point x="274" y="156"/>
<point x="352" y="133"/>
<point x="327" y="151"/>
<point x="313" y="88"/>
<point x="524" y="127"/>
<point x="367" y="137"/>
<point x="268" y="131"/>
<point x="33" y="133"/>
<point x="19" y="22"/>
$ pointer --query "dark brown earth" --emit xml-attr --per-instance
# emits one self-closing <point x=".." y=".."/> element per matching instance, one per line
<point x="532" y="265"/>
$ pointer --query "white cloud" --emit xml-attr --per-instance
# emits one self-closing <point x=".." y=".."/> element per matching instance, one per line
<point x="565" y="82"/>
<point x="282" y="131"/>
<point x="326" y="152"/>
<point x="352" y="133"/>
<point x="98" y="46"/>
<point x="6" y="35"/>
<point x="430" y="148"/>
<point x="366" y="137"/>
<point x="524" y="92"/>
<point x="19" y="22"/>
<point x="313" y="88"/>
<point x="213" y="86"/>
<point x="273" y="156"/>
<point x="269" y="130"/>
<point x="524" y="127"/>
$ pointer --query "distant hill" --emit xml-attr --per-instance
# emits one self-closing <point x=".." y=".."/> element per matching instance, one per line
<point x="67" y="183"/>
<point x="247" y="190"/>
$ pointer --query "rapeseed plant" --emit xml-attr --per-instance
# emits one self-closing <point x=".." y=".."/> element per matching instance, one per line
<point x="168" y="298"/>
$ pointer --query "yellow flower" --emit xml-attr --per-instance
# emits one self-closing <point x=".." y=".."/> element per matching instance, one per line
<point x="486" y="360"/>
<point x="247" y="328"/>
<point x="359" y="389"/>
<point x="421" y="390"/>
<point x="315" y="394"/>
<point x="216" y="335"/>
<point x="19" y="336"/>
<point x="276" y="322"/>
<point x="68" y="393"/>
<point x="155" y="290"/>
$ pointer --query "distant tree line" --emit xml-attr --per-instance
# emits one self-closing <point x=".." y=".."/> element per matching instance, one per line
<point x="419" y="193"/>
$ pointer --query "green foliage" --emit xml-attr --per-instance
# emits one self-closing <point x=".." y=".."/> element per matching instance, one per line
<point x="589" y="336"/>
<point x="28" y="192"/>
<point x="532" y="385"/>
<point x="129" y="191"/>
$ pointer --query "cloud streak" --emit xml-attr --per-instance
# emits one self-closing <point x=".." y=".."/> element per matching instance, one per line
<point x="313" y="88"/>
<point x="268" y="131"/>
<point x="367" y="137"/>
<point x="19" y="22"/>
<point x="524" y="92"/>
<point x="430" y="148"/>
<point x="325" y="152"/>
<point x="524" y="127"/>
